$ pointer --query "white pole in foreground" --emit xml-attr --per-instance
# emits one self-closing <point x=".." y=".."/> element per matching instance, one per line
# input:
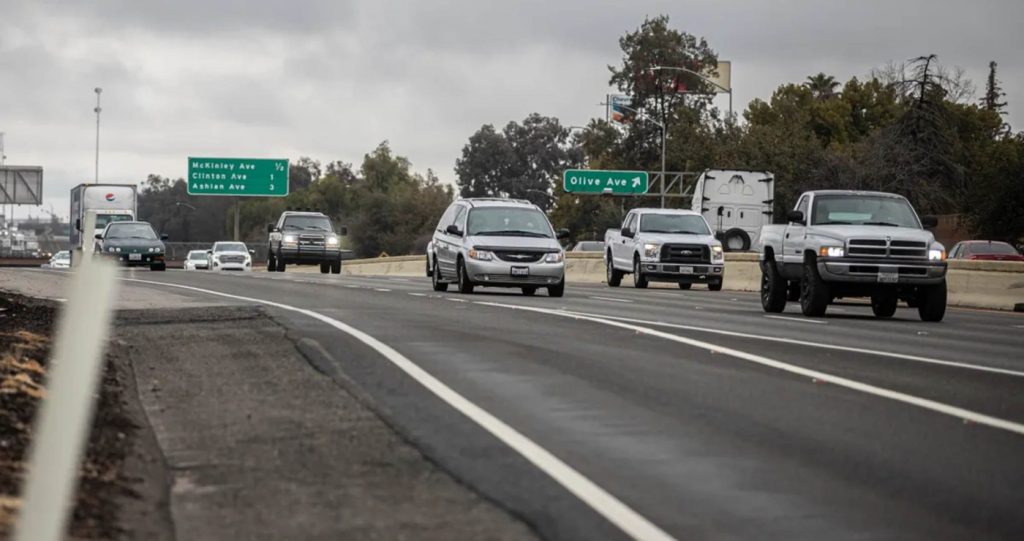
<point x="65" y="417"/>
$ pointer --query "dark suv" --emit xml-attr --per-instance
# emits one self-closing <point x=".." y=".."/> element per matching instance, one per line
<point x="304" y="238"/>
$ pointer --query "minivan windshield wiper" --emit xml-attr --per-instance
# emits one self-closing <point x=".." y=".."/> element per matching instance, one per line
<point x="890" y="224"/>
<point x="512" y="233"/>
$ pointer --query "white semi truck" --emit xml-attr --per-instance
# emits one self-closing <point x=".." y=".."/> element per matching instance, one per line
<point x="108" y="202"/>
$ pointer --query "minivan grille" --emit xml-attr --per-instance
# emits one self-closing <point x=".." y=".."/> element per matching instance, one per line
<point x="685" y="253"/>
<point x="518" y="257"/>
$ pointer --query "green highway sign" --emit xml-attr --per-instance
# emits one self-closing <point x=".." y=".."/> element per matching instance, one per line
<point x="237" y="176"/>
<point x="609" y="182"/>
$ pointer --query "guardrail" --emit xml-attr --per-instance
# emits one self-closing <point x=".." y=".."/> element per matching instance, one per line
<point x="995" y="285"/>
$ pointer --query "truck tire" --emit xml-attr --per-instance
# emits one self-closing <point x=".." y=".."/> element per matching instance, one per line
<point x="614" y="276"/>
<point x="735" y="240"/>
<point x="639" y="280"/>
<point x="931" y="302"/>
<point x="435" y="280"/>
<point x="325" y="268"/>
<point x="883" y="303"/>
<point x="814" y="294"/>
<point x="336" y="267"/>
<point x="557" y="290"/>
<point x="774" y="288"/>
<point x="685" y="285"/>
<point x="271" y="263"/>
<point x="715" y="286"/>
<point x="465" y="284"/>
<point x="280" y="264"/>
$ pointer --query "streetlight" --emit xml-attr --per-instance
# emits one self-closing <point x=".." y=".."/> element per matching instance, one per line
<point x="98" y="91"/>
<point x="702" y="77"/>
<point x="186" y="205"/>
<point x="663" y="137"/>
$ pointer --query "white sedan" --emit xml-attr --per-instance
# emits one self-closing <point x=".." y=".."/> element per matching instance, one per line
<point x="196" y="260"/>
<point x="230" y="256"/>
<point x="60" y="260"/>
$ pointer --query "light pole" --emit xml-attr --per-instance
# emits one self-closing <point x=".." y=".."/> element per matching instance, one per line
<point x="98" y="109"/>
<point x="663" y="137"/>
<point x="188" y="223"/>
<point x="701" y="77"/>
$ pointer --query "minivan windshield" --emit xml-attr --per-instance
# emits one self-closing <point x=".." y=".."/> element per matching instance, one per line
<point x="310" y="223"/>
<point x="130" y="231"/>
<point x="679" y="224"/>
<point x="864" y="210"/>
<point x="508" y="222"/>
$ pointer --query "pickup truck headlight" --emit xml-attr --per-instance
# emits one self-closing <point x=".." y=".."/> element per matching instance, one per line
<point x="651" y="251"/>
<point x="717" y="254"/>
<point x="481" y="255"/>
<point x="936" y="255"/>
<point x="332" y="241"/>
<point x="289" y="239"/>
<point x="831" y="251"/>
<point x="556" y="257"/>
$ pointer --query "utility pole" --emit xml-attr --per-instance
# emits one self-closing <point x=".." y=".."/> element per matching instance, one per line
<point x="3" y="160"/>
<point x="98" y="91"/>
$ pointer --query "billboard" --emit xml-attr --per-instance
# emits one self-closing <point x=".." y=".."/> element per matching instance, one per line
<point x="21" y="185"/>
<point x="618" y="108"/>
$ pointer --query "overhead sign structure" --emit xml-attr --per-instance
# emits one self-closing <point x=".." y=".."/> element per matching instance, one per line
<point x="605" y="182"/>
<point x="238" y="176"/>
<point x="21" y="185"/>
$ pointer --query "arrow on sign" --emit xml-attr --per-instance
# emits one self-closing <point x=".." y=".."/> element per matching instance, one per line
<point x="636" y="182"/>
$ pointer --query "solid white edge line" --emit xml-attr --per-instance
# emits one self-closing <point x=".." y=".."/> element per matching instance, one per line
<point x="611" y="508"/>
<point x="851" y="349"/>
<point x="797" y="319"/>
<point x="609" y="299"/>
<point x="932" y="405"/>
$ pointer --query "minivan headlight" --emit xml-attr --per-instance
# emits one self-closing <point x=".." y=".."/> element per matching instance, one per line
<point x="554" y="257"/>
<point x="481" y="255"/>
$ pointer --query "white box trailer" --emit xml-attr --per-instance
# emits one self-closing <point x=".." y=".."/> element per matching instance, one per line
<point x="109" y="202"/>
<point x="736" y="204"/>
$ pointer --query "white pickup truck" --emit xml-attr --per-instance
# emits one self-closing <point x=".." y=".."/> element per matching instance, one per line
<point x="841" y="244"/>
<point x="664" y="245"/>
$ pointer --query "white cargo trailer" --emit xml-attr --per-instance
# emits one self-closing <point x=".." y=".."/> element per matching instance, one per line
<point x="736" y="204"/>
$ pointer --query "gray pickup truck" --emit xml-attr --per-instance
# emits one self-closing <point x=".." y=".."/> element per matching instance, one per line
<point x="304" y="238"/>
<point x="841" y="244"/>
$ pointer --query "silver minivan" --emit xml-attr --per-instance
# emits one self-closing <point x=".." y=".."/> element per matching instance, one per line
<point x="496" y="243"/>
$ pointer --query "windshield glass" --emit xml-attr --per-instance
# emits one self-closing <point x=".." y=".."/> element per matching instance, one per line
<point x="991" y="248"/>
<point x="229" y="247"/>
<point x="680" y="224"/>
<point x="103" y="219"/>
<point x="130" y="231"/>
<point x="311" y="223"/>
<point x="194" y="256"/>
<point x="508" y="221"/>
<point x="863" y="210"/>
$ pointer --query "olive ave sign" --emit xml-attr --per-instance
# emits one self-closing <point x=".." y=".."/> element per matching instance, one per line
<point x="238" y="176"/>
<point x="605" y="182"/>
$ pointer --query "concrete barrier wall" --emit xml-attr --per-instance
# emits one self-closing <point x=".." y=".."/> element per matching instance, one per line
<point x="979" y="284"/>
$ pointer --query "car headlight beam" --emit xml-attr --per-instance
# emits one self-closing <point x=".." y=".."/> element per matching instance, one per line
<point x="831" y="251"/>
<point x="936" y="255"/>
<point x="651" y="250"/>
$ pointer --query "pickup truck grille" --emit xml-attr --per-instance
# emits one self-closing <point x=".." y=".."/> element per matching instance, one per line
<point x="685" y="253"/>
<point x="311" y="240"/>
<point x="513" y="256"/>
<point x="232" y="259"/>
<point x="905" y="249"/>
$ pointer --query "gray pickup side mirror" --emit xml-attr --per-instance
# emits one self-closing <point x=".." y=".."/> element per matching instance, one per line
<point x="796" y="216"/>
<point x="453" y="230"/>
<point x="344" y="231"/>
<point x="626" y="232"/>
<point x="270" y="228"/>
<point x="929" y="222"/>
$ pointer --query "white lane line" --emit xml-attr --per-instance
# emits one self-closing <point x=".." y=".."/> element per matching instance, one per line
<point x="456" y="300"/>
<point x="901" y="356"/>
<point x="352" y="286"/>
<point x="613" y="299"/>
<point x="932" y="405"/>
<point x="418" y="294"/>
<point x="381" y="289"/>
<point x="611" y="508"/>
<point x="798" y="319"/>
<point x="1019" y="326"/>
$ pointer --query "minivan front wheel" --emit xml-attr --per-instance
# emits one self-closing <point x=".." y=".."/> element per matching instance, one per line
<point x="557" y="290"/>
<point x="435" y="280"/>
<point x="465" y="284"/>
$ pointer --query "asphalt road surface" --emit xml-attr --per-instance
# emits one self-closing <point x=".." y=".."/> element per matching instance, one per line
<point x="616" y="412"/>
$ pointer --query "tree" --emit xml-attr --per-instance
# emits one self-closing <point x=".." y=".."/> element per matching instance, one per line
<point x="822" y="86"/>
<point x="993" y="92"/>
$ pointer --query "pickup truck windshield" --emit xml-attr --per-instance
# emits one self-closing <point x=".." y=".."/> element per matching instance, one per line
<point x="308" y="223"/>
<point x="230" y="247"/>
<point x="130" y="231"/>
<point x="863" y="210"/>
<point x="678" y="224"/>
<point x="508" y="222"/>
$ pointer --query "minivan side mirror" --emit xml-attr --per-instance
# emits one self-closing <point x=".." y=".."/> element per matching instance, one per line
<point x="795" y="216"/>
<point x="99" y="236"/>
<point x="453" y="230"/>
<point x="270" y="228"/>
<point x="929" y="222"/>
<point x="344" y="231"/>
<point x="563" y="233"/>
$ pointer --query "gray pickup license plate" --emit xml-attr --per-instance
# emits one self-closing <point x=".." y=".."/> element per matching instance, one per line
<point x="521" y="272"/>
<point x="685" y="270"/>
<point x="888" y="277"/>
<point x="134" y="257"/>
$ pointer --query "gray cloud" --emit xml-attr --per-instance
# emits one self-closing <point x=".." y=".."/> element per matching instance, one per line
<point x="332" y="79"/>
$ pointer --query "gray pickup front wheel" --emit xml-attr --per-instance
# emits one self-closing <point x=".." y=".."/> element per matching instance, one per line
<point x="614" y="276"/>
<point x="814" y="294"/>
<point x="773" y="288"/>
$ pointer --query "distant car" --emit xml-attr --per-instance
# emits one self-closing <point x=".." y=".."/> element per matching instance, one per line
<point x="229" y="256"/>
<point x="985" y="250"/>
<point x="197" y="260"/>
<point x="588" y="246"/>
<point x="60" y="260"/>
<point x="132" y="244"/>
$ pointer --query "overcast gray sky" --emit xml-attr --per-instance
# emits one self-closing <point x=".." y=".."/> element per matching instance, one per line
<point x="332" y="79"/>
